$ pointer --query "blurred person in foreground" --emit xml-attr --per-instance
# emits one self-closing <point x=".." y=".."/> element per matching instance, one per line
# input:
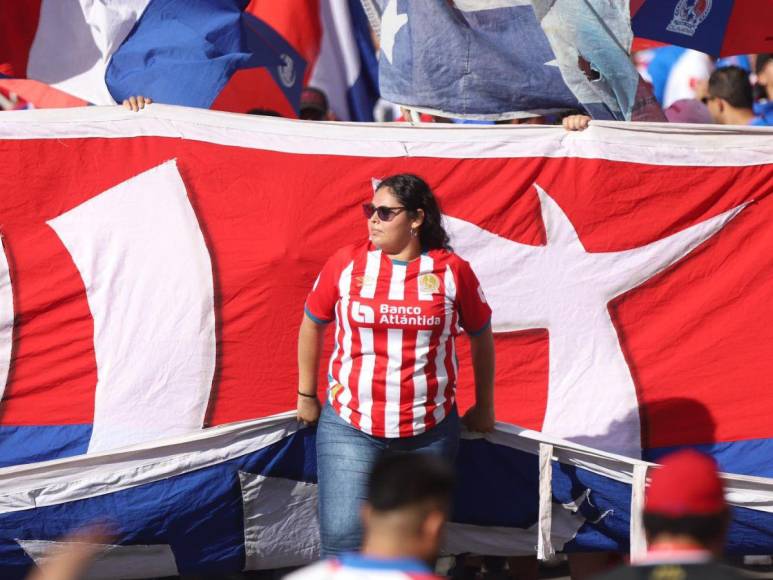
<point x="72" y="558"/>
<point x="685" y="520"/>
<point x="729" y="97"/>
<point x="763" y="69"/>
<point x="409" y="498"/>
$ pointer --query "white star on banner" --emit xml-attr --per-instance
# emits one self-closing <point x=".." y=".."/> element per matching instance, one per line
<point x="566" y="289"/>
<point x="391" y="23"/>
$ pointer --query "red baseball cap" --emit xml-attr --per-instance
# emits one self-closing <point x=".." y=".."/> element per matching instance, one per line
<point x="687" y="484"/>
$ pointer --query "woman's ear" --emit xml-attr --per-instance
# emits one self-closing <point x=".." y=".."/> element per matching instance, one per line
<point x="419" y="219"/>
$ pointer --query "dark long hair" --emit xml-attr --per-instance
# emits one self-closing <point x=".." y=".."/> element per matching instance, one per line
<point x="414" y="193"/>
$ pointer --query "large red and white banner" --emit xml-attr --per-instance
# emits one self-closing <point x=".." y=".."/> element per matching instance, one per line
<point x="158" y="265"/>
<point x="152" y="282"/>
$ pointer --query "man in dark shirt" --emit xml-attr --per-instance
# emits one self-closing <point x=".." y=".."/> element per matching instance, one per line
<point x="685" y="520"/>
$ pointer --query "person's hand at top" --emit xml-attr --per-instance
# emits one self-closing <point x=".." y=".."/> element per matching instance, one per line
<point x="136" y="103"/>
<point x="576" y="122"/>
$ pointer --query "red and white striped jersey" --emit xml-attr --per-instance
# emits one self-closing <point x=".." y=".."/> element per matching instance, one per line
<point x="393" y="369"/>
<point x="359" y="567"/>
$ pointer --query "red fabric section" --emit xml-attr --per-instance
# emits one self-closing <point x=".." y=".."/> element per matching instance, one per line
<point x="18" y="26"/>
<point x="253" y="88"/>
<point x="644" y="44"/>
<point x="635" y="5"/>
<point x="695" y="336"/>
<point x="298" y="21"/>
<point x="53" y="335"/>
<point x="40" y="95"/>
<point x="749" y="29"/>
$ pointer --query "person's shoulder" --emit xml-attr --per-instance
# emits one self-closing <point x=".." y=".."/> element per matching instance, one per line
<point x="623" y="573"/>
<point x="349" y="252"/>
<point x="449" y="257"/>
<point x="319" y="570"/>
<point x="673" y="571"/>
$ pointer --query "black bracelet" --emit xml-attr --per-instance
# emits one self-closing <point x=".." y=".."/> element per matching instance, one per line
<point x="305" y="395"/>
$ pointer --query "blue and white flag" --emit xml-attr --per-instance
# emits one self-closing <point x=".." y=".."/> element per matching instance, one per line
<point x="507" y="59"/>
<point x="346" y="68"/>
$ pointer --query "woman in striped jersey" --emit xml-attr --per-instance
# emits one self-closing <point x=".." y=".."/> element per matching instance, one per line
<point x="398" y="301"/>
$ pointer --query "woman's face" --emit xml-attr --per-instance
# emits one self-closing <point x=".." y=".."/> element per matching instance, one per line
<point x="394" y="235"/>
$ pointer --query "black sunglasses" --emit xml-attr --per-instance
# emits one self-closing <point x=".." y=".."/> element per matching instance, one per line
<point x="385" y="214"/>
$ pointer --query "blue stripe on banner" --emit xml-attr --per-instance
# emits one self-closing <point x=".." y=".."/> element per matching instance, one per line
<point x="199" y="514"/>
<point x="30" y="444"/>
<point x="499" y="486"/>
<point x="750" y="532"/>
<point x="364" y="93"/>
<point x="496" y="485"/>
<point x="700" y="30"/>
<point x="749" y="457"/>
<point x="606" y="509"/>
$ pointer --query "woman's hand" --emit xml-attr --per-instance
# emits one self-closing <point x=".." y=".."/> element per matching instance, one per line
<point x="309" y="409"/>
<point x="479" y="418"/>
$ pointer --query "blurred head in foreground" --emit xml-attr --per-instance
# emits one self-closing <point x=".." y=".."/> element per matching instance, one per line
<point x="685" y="503"/>
<point x="729" y="96"/>
<point x="409" y="498"/>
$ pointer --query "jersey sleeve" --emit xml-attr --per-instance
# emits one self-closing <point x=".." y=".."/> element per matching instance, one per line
<point x="321" y="301"/>
<point x="474" y="311"/>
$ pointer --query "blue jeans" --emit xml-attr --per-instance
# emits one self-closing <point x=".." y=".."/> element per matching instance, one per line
<point x="345" y="457"/>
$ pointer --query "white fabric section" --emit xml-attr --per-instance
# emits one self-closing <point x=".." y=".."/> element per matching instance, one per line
<point x="391" y="23"/>
<point x="423" y="338"/>
<point x="6" y="319"/>
<point x="660" y="143"/>
<point x="331" y="570"/>
<point x="365" y="384"/>
<point x="426" y="264"/>
<point x="75" y="40"/>
<point x="638" y="540"/>
<point x="372" y="267"/>
<point x="345" y="287"/>
<point x="132" y="561"/>
<point x="338" y="63"/>
<point x="397" y="282"/>
<point x="545" y="549"/>
<point x="55" y="482"/>
<point x="280" y="522"/>
<point x="131" y="245"/>
<point x="564" y="288"/>
<point x="451" y="294"/>
<point x="393" y="382"/>
<point x="441" y="372"/>
<point x="336" y="348"/>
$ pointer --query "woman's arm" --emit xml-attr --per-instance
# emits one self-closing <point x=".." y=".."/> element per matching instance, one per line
<point x="480" y="417"/>
<point x="309" y="352"/>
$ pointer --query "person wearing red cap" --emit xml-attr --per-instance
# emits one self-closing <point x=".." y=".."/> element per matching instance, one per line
<point x="685" y="520"/>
